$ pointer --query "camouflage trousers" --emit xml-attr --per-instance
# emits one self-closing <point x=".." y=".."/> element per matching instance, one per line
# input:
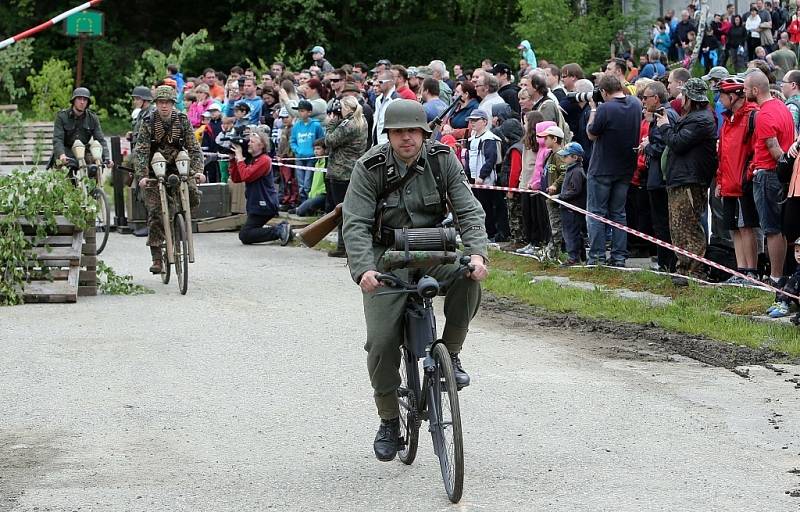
<point x="686" y="207"/>
<point x="556" y="234"/>
<point x="515" y="219"/>
<point x="152" y="201"/>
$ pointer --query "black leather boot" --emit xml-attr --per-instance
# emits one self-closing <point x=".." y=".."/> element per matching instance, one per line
<point x="462" y="379"/>
<point x="387" y="440"/>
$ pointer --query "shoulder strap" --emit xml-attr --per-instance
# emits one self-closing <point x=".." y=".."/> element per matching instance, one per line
<point x="435" y="151"/>
<point x="751" y="125"/>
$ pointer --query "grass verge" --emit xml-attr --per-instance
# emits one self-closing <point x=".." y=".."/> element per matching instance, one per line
<point x="695" y="310"/>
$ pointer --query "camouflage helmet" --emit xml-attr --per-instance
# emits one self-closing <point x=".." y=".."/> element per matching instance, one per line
<point x="165" y="92"/>
<point x="405" y="114"/>
<point x="81" y="92"/>
<point x="142" y="92"/>
<point x="695" y="89"/>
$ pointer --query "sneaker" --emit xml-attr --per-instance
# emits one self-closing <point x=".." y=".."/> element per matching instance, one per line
<point x="387" y="440"/>
<point x="734" y="280"/>
<point x="528" y="249"/>
<point x="286" y="233"/>
<point x="292" y="211"/>
<point x="284" y="208"/>
<point x="618" y="264"/>
<point x="780" y="310"/>
<point x="570" y="263"/>
<point x="462" y="379"/>
<point x="679" y="281"/>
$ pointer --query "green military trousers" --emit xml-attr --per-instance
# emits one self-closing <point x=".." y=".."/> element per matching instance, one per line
<point x="385" y="331"/>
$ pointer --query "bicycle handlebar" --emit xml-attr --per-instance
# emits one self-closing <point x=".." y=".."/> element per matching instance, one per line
<point x="426" y="287"/>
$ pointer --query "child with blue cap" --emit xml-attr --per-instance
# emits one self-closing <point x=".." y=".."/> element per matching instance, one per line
<point x="573" y="191"/>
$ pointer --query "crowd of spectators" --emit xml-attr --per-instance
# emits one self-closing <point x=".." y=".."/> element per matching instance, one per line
<point x="699" y="162"/>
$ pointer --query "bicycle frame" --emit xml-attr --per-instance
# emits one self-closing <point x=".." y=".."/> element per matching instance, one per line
<point x="167" y="215"/>
<point x="420" y="335"/>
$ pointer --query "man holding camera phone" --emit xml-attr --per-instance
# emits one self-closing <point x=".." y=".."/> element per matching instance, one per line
<point x="614" y="127"/>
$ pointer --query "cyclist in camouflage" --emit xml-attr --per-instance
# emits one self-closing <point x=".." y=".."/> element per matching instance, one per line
<point x="168" y="131"/>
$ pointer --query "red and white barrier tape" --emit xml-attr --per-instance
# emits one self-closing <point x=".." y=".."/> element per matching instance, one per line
<point x="303" y="167"/>
<point x="645" y="236"/>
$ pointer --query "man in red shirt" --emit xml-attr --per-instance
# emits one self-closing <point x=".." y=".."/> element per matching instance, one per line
<point x="401" y="83"/>
<point x="734" y="182"/>
<point x="774" y="133"/>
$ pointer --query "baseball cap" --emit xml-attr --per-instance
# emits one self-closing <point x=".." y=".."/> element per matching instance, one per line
<point x="283" y="112"/>
<point x="412" y="71"/>
<point x="207" y="114"/>
<point x="555" y="131"/>
<point x="244" y="107"/>
<point x="501" y="67"/>
<point x="304" y="105"/>
<point x="479" y="114"/>
<point x="385" y="62"/>
<point x="214" y="106"/>
<point x="318" y="49"/>
<point x="573" y="148"/>
<point x="717" y="72"/>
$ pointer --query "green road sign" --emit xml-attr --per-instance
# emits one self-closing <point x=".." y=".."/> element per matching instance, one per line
<point x="86" y="23"/>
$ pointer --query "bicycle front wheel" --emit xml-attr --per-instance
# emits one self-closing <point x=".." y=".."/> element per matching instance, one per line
<point x="180" y="248"/>
<point x="408" y="401"/>
<point x="102" y="219"/>
<point x="445" y="419"/>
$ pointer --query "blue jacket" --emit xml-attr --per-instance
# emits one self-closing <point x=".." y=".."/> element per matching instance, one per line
<point x="459" y="118"/>
<point x="303" y="137"/>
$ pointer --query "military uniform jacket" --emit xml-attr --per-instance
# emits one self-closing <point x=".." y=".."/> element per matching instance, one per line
<point x="68" y="128"/>
<point x="177" y="130"/>
<point x="137" y="124"/>
<point x="345" y="143"/>
<point x="417" y="204"/>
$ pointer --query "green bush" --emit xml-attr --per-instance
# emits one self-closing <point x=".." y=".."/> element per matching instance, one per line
<point x="14" y="60"/>
<point x="52" y="88"/>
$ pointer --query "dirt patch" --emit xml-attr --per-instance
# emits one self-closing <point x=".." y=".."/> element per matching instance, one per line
<point x="23" y="458"/>
<point x="621" y="340"/>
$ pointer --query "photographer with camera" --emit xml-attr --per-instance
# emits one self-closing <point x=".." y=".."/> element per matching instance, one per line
<point x="260" y="193"/>
<point x="614" y="127"/>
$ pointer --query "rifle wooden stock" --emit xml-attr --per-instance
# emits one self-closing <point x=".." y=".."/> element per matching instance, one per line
<point x="316" y="231"/>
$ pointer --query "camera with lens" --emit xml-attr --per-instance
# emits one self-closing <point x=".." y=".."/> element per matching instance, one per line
<point x="335" y="108"/>
<point x="584" y="97"/>
<point x="236" y="140"/>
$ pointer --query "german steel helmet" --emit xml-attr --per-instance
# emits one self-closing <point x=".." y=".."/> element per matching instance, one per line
<point x="405" y="114"/>
<point x="142" y="92"/>
<point x="165" y="92"/>
<point x="81" y="92"/>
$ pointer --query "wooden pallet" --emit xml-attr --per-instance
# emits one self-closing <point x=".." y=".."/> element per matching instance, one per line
<point x="64" y="265"/>
<point x="31" y="147"/>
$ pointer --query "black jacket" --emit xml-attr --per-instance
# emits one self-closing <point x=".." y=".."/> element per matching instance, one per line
<point x="509" y="93"/>
<point x="654" y="149"/>
<point x="692" y="145"/>
<point x="573" y="190"/>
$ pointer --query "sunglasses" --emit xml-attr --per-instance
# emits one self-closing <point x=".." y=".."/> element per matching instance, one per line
<point x="386" y="81"/>
<point x="336" y="79"/>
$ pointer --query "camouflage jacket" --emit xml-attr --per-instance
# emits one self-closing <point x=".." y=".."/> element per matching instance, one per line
<point x="68" y="128"/>
<point x="417" y="204"/>
<point x="345" y="144"/>
<point x="182" y="138"/>
<point x="137" y="124"/>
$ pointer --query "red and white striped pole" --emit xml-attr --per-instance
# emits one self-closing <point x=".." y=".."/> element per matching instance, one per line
<point x="48" y="24"/>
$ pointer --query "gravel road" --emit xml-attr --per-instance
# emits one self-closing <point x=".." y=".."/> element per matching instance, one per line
<point x="251" y="393"/>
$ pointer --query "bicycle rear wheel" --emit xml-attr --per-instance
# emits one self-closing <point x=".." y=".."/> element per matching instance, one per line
<point x="180" y="247"/>
<point x="445" y="419"/>
<point x="407" y="397"/>
<point x="102" y="219"/>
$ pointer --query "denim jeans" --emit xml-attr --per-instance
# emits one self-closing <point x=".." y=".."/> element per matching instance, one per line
<point x="304" y="177"/>
<point x="606" y="196"/>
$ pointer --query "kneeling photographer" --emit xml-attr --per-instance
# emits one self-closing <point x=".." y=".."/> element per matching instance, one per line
<point x="262" y="198"/>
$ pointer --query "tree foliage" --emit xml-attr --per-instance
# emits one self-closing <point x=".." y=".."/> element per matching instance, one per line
<point x="13" y="60"/>
<point x="51" y="87"/>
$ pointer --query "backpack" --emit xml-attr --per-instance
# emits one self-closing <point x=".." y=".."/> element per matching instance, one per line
<point x="796" y="103"/>
<point x="751" y="128"/>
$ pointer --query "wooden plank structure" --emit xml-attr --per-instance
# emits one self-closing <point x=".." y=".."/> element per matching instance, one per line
<point x="33" y="146"/>
<point x="64" y="264"/>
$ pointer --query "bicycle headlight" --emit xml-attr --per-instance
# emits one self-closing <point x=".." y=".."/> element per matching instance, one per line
<point x="159" y="164"/>
<point x="79" y="150"/>
<point x="182" y="163"/>
<point x="96" y="149"/>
